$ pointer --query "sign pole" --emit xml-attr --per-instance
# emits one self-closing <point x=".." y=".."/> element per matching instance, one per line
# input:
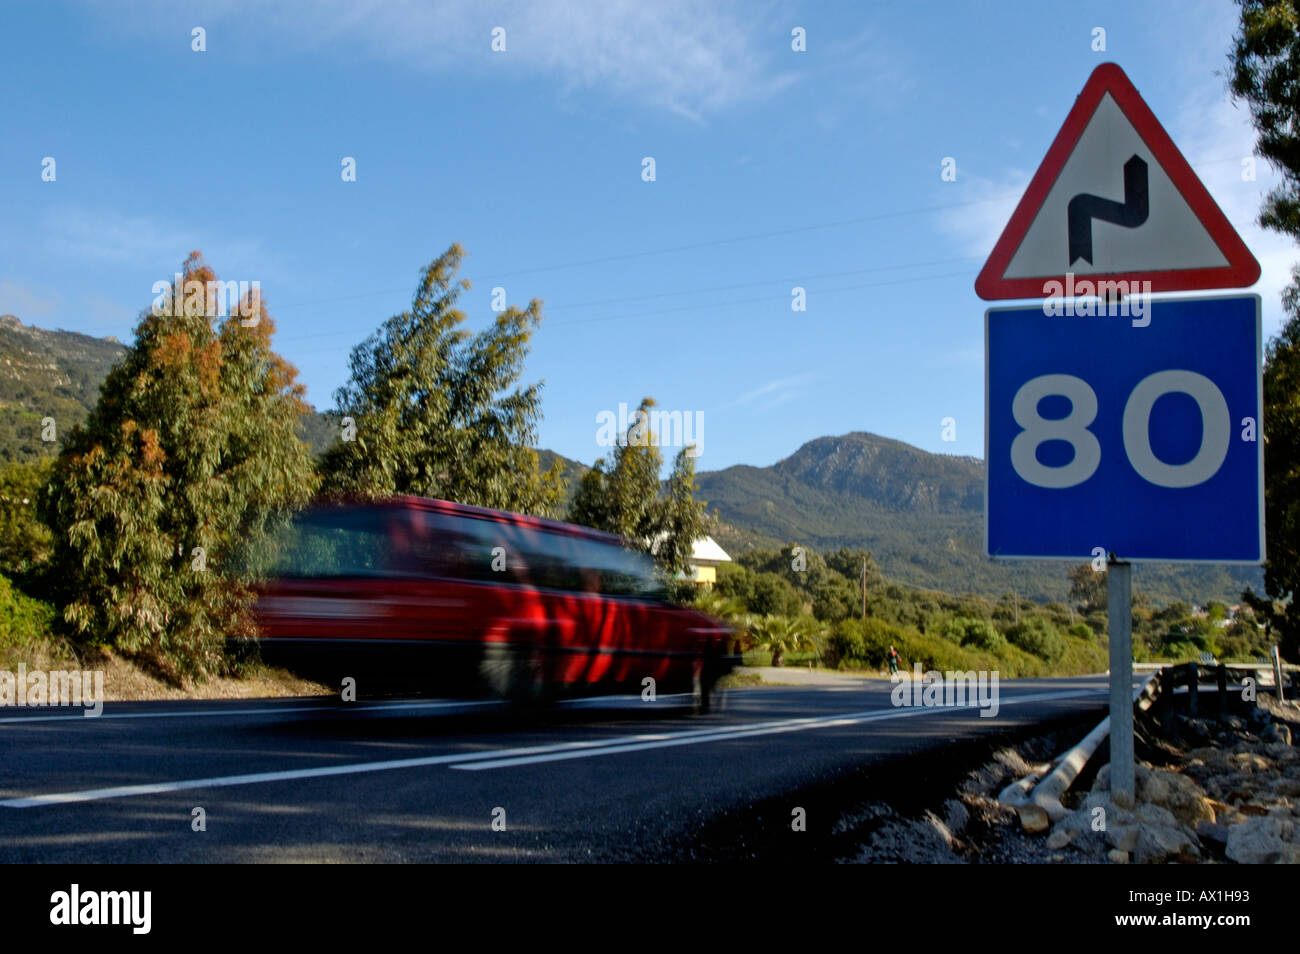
<point x="1119" y="601"/>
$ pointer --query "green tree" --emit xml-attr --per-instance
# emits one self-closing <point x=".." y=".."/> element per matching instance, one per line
<point x="781" y="635"/>
<point x="624" y="496"/>
<point x="621" y="496"/>
<point x="1088" y="588"/>
<point x="1265" y="71"/>
<point x="186" y="463"/>
<point x="682" y="519"/>
<point x="438" y="411"/>
<point x="25" y="542"/>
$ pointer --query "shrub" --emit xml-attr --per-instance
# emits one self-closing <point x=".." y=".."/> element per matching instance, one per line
<point x="23" y="620"/>
<point x="1039" y="637"/>
<point x="976" y="633"/>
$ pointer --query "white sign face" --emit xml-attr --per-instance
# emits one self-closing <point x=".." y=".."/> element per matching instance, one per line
<point x="1170" y="236"/>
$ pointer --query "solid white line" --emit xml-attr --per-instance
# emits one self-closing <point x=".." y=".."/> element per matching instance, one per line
<point x="269" y="710"/>
<point x="797" y="725"/>
<point x="502" y="758"/>
<point x="578" y="703"/>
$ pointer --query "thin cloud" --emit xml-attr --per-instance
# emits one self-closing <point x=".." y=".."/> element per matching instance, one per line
<point x="691" y="58"/>
<point x="775" y="392"/>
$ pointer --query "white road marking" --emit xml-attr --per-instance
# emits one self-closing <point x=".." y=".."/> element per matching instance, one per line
<point x="585" y="702"/>
<point x="771" y="728"/>
<point x="268" y="710"/>
<point x="527" y="755"/>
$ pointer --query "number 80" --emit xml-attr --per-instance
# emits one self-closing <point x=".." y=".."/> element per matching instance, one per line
<point x="1216" y="430"/>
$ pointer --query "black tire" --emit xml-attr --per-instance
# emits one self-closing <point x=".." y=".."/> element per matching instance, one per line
<point x="706" y="684"/>
<point x="516" y="674"/>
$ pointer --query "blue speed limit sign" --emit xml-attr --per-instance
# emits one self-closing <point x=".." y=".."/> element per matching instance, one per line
<point x="1138" y="438"/>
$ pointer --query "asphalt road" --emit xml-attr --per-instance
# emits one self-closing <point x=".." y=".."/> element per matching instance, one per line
<point x="313" y="780"/>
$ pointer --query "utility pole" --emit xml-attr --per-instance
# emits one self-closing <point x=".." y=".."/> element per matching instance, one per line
<point x="864" y="588"/>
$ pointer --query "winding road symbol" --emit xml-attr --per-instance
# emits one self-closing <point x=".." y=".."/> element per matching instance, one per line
<point x="1130" y="213"/>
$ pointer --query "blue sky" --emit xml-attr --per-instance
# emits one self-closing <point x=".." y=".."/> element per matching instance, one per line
<point x="774" y="168"/>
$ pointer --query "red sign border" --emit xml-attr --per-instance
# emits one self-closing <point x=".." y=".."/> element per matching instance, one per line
<point x="1242" y="269"/>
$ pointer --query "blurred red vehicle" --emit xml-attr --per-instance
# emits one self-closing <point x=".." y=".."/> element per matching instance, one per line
<point x="412" y="593"/>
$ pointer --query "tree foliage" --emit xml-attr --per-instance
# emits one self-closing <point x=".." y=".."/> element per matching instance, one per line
<point x="1266" y="75"/>
<point x="438" y="411"/>
<point x="25" y="542"/>
<point x="624" y="496"/>
<point x="187" y="461"/>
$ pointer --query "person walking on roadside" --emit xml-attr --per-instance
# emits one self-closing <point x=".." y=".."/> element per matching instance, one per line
<point x="893" y="661"/>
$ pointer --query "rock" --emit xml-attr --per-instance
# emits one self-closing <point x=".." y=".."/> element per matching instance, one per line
<point x="1180" y="795"/>
<point x="1276" y="733"/>
<point x="956" y="816"/>
<point x="1249" y="763"/>
<point x="1122" y="837"/>
<point x="1157" y="844"/>
<point x="1033" y="819"/>
<point x="926" y="840"/>
<point x="1283" y="752"/>
<point x="1117" y="856"/>
<point x="1265" y="840"/>
<point x="1058" y="839"/>
<point x="1211" y="833"/>
<point x="1227" y="814"/>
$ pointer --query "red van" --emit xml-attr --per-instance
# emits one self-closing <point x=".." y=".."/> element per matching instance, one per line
<point x="417" y="593"/>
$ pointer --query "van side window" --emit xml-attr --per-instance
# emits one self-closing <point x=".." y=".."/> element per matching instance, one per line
<point x="328" y="543"/>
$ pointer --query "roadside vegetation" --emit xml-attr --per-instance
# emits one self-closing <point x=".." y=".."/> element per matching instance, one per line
<point x="796" y="607"/>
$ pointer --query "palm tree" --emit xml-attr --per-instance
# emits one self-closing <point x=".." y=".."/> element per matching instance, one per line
<point x="781" y="635"/>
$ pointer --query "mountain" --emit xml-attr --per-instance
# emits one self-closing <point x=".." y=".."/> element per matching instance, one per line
<point x="47" y="374"/>
<point x="57" y="374"/>
<point x="920" y="514"/>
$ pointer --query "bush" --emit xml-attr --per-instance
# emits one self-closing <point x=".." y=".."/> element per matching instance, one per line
<point x="23" y="620"/>
<point x="1081" y="631"/>
<point x="25" y="542"/>
<point x="1039" y="637"/>
<point x="976" y="633"/>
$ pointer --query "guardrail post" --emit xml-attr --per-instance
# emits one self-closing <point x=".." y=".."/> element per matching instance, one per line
<point x="1193" y="688"/>
<point x="1277" y="674"/>
<point x="1119" y="598"/>
<point x="1221" y="682"/>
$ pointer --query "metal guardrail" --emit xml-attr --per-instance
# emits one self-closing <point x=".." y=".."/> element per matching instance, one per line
<point x="1167" y="679"/>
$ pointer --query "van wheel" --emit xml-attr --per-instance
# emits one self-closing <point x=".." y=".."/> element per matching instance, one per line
<point x="706" y="682"/>
<point x="515" y="674"/>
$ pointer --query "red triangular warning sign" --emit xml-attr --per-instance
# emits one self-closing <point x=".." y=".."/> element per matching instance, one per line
<point x="1114" y="200"/>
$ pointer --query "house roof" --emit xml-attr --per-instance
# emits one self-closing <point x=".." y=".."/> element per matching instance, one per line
<point x="704" y="550"/>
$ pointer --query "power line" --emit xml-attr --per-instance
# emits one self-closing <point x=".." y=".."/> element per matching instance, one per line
<point x="703" y="291"/>
<point x="712" y="243"/>
<point x="714" y="305"/>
